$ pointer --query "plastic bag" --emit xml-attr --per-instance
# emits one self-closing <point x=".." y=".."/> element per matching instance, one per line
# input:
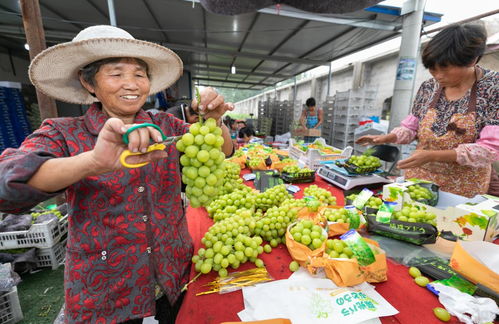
<point x="8" y="278"/>
<point x="300" y="252"/>
<point x="415" y="233"/>
<point x="466" y="308"/>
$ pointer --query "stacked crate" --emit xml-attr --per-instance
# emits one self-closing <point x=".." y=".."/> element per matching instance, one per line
<point x="282" y="116"/>
<point x="327" y="120"/>
<point x="349" y="107"/>
<point x="10" y="309"/>
<point x="48" y="237"/>
<point x="264" y="123"/>
<point x="275" y="117"/>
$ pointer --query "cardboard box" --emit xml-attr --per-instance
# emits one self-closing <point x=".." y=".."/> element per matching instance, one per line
<point x="399" y="192"/>
<point x="306" y="132"/>
<point x="468" y="224"/>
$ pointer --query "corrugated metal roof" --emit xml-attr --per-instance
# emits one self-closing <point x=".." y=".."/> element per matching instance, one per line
<point x="264" y="46"/>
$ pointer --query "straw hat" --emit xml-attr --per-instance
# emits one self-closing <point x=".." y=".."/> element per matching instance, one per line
<point x="55" y="70"/>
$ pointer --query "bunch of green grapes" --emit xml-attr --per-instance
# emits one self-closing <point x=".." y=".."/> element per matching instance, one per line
<point x="296" y="169"/>
<point x="415" y="214"/>
<point x="338" y="249"/>
<point x="238" y="153"/>
<point x="273" y="226"/>
<point x="255" y="162"/>
<point x="202" y="162"/>
<point x="229" y="228"/>
<point x="306" y="233"/>
<point x="323" y="195"/>
<point x="336" y="215"/>
<point x="228" y="204"/>
<point x="373" y="202"/>
<point x="232" y="252"/>
<point x="298" y="203"/>
<point x="231" y="185"/>
<point x="55" y="212"/>
<point x="272" y="197"/>
<point x="232" y="170"/>
<point x="416" y="192"/>
<point x="365" y="161"/>
<point x="288" y="160"/>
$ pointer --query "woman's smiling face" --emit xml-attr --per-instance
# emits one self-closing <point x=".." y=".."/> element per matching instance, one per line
<point x="122" y="88"/>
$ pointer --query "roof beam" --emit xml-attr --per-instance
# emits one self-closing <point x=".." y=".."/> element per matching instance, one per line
<point x="189" y="48"/>
<point x="332" y="39"/>
<point x="213" y="68"/>
<point x="103" y="14"/>
<point x="295" y="13"/>
<point x="181" y="47"/>
<point x="230" y="81"/>
<point x="255" y="18"/>
<point x="227" y="87"/>
<point x="148" y="8"/>
<point x="282" y="42"/>
<point x="78" y="26"/>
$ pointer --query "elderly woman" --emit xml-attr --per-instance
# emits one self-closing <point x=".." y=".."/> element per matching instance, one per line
<point x="455" y="116"/>
<point x="127" y="228"/>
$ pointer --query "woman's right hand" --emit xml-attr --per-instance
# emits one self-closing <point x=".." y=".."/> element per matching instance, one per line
<point x="105" y="156"/>
<point x="374" y="139"/>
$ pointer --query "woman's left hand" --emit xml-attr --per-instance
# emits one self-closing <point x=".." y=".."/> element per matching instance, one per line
<point x="212" y="104"/>
<point x="417" y="159"/>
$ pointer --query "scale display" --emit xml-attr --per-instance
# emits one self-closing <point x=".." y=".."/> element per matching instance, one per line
<point x="338" y="176"/>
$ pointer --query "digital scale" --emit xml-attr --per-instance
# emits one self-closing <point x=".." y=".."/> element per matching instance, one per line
<point x="345" y="180"/>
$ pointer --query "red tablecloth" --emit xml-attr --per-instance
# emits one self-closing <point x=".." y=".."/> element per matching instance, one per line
<point x="414" y="303"/>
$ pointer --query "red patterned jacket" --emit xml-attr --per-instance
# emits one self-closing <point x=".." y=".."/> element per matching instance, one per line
<point x="127" y="229"/>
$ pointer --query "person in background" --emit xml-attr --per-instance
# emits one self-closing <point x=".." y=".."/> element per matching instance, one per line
<point x="184" y="112"/>
<point x="240" y="124"/>
<point x="311" y="118"/>
<point x="247" y="136"/>
<point x="455" y="115"/>
<point x="127" y="235"/>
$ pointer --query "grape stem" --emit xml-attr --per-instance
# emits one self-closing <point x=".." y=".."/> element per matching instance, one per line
<point x="198" y="99"/>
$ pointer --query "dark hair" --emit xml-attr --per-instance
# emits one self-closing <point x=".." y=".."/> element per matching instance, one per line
<point x="229" y="121"/>
<point x="457" y="45"/>
<point x="248" y="131"/>
<point x="89" y="71"/>
<point x="310" y="102"/>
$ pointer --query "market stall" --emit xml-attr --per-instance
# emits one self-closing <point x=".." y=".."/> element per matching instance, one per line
<point x="264" y="168"/>
<point x="414" y="303"/>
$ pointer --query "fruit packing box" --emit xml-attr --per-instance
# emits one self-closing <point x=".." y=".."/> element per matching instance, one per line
<point x="313" y="158"/>
<point x="400" y="193"/>
<point x="306" y="132"/>
<point x="43" y="235"/>
<point x="469" y="222"/>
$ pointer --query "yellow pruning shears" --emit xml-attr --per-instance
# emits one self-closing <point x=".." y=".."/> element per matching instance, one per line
<point x="154" y="147"/>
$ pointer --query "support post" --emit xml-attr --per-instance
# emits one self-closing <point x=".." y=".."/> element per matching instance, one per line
<point x="112" y="14"/>
<point x="35" y="36"/>
<point x="329" y="81"/>
<point x="408" y="57"/>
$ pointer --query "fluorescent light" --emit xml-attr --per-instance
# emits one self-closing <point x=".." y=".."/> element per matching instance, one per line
<point x="233" y="69"/>
<point x="26" y="46"/>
